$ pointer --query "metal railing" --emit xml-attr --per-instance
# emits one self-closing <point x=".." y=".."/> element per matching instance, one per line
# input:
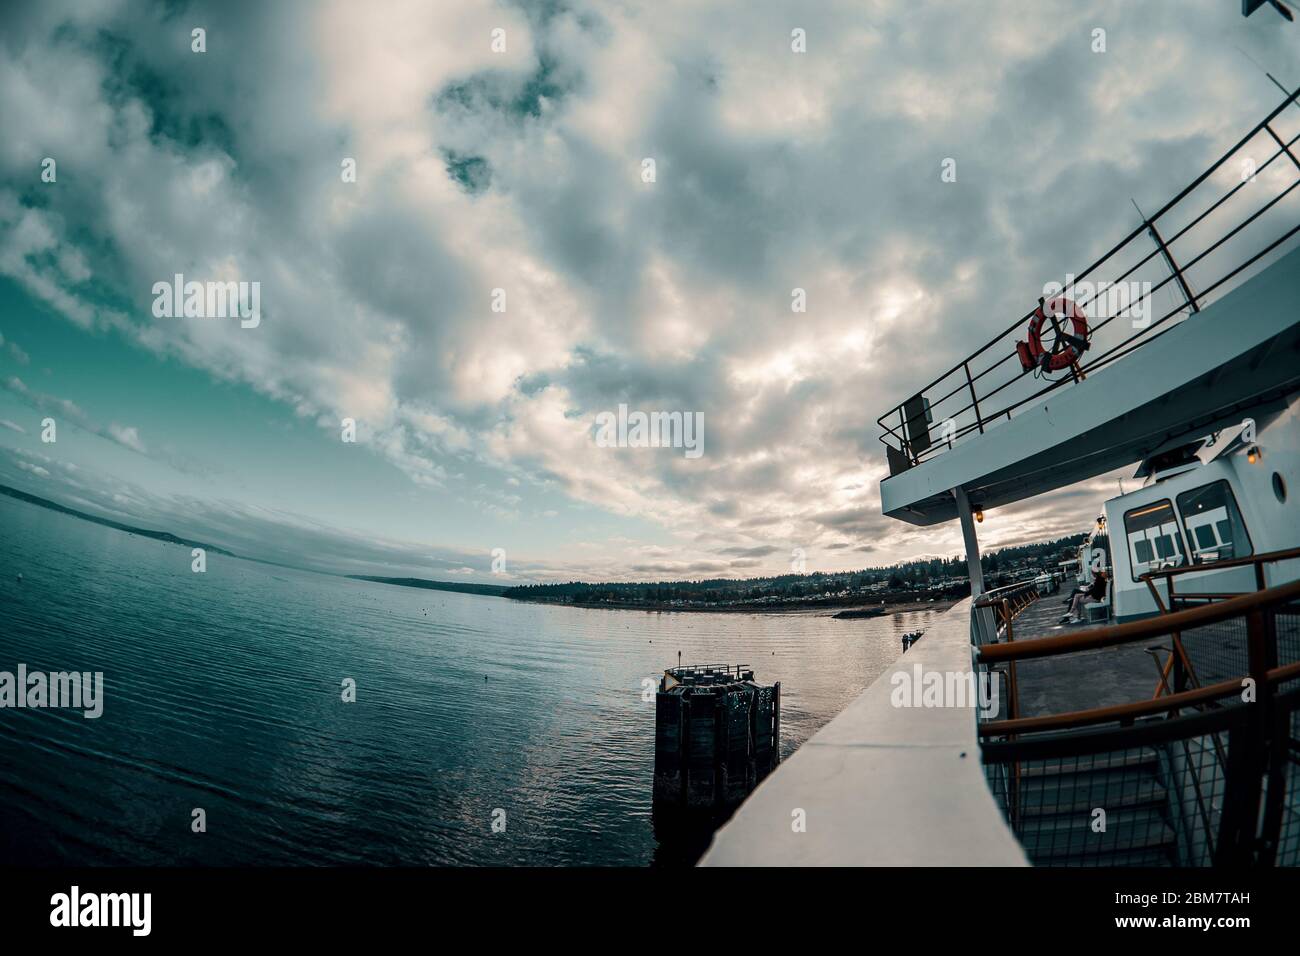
<point x="1257" y="561"/>
<point x="1177" y="671"/>
<point x="1007" y="602"/>
<point x="1204" y="775"/>
<point x="708" y="674"/>
<point x="984" y="388"/>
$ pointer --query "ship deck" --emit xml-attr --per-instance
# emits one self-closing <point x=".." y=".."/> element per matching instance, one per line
<point x="1080" y="681"/>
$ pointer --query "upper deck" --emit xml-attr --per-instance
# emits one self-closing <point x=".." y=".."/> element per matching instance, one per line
<point x="1225" y="250"/>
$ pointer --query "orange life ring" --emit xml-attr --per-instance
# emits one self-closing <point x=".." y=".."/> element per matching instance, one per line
<point x="1067" y="348"/>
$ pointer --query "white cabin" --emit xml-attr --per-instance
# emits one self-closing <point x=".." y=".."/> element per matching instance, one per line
<point x="1234" y="499"/>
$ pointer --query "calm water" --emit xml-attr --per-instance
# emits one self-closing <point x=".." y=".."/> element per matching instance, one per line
<point x="222" y="691"/>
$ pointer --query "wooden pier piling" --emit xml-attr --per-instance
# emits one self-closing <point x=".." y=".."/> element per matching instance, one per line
<point x="717" y="734"/>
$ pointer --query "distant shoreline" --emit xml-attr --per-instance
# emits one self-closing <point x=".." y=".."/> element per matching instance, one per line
<point x="845" y="609"/>
<point x="457" y="587"/>
<point x="887" y="610"/>
<point x="165" y="536"/>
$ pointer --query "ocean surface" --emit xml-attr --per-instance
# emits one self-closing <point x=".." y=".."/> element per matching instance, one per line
<point x="222" y="691"/>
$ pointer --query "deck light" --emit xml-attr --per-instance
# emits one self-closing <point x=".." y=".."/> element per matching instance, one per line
<point x="979" y="516"/>
<point x="1253" y="454"/>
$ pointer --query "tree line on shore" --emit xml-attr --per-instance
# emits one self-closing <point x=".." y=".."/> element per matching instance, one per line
<point x="928" y="577"/>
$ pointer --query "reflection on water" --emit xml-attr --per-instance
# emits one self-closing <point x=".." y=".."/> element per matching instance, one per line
<point x="222" y="691"/>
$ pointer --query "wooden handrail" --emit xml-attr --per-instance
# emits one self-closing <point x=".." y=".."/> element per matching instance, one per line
<point x="1019" y="738"/>
<point x="1102" y="715"/>
<point x="1206" y="595"/>
<point x="1139" y="630"/>
<point x="1141" y="708"/>
<point x="1265" y="558"/>
<point x="1287" y="671"/>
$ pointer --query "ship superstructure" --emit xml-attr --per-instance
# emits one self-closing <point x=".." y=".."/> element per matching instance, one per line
<point x="1164" y="727"/>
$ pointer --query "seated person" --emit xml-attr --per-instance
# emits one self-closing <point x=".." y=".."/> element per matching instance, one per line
<point x="1094" y="592"/>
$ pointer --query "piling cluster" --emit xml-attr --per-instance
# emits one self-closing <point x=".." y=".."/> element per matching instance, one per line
<point x="717" y="734"/>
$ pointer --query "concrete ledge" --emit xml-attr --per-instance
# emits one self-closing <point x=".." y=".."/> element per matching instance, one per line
<point x="881" y="785"/>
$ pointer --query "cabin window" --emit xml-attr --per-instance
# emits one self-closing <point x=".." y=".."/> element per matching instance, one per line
<point x="1215" y="530"/>
<point x="1154" y="541"/>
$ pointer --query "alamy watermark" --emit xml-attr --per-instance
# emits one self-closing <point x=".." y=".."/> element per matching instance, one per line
<point x="75" y="908"/>
<point x="1103" y="300"/>
<point x="76" y="690"/>
<point x="208" y="300"/>
<point x="922" y="688"/>
<point x="639" y="429"/>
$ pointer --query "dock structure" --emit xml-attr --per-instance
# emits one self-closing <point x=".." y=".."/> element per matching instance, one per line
<point x="717" y="734"/>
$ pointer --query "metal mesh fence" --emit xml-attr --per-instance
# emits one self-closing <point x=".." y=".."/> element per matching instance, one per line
<point x="1123" y="807"/>
<point x="1217" y="651"/>
<point x="1288" y="635"/>
<point x="1112" y="798"/>
<point x="1215" y="782"/>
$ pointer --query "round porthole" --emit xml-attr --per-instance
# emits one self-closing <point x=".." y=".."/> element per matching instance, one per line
<point x="1279" y="487"/>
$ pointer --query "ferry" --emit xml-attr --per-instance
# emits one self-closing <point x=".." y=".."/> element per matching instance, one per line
<point x="1161" y="726"/>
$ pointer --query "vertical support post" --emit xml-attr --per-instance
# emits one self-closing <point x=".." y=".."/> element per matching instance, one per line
<point x="1248" y="754"/>
<point x="721" y="748"/>
<point x="776" y="726"/>
<point x="987" y="629"/>
<point x="967" y="517"/>
<point x="1169" y="259"/>
<point x="685" y="751"/>
<point x="974" y="401"/>
<point x="1261" y="650"/>
<point x="1013" y="693"/>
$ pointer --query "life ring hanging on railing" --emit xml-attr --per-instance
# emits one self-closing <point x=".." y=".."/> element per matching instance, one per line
<point x="1066" y="348"/>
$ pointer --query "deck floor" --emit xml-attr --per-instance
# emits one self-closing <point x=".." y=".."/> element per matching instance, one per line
<point x="1080" y="681"/>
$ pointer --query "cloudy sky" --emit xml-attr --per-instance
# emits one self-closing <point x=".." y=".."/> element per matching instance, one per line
<point x="521" y="169"/>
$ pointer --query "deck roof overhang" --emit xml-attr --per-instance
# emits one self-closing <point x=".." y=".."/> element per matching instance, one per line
<point x="1237" y="357"/>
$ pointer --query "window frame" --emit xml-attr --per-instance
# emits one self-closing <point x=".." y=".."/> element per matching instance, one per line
<point x="1179" y="531"/>
<point x="1232" y="497"/>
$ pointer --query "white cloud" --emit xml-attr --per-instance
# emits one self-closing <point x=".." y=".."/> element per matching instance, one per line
<point x="127" y="436"/>
<point x="520" y="171"/>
